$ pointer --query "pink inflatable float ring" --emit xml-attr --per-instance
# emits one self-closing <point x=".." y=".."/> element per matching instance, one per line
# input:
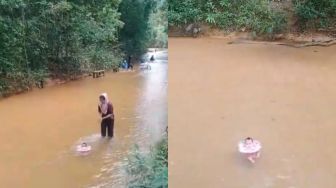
<point x="254" y="147"/>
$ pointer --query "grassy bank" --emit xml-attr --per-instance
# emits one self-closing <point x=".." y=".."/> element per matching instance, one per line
<point x="149" y="170"/>
<point x="315" y="14"/>
<point x="260" y="17"/>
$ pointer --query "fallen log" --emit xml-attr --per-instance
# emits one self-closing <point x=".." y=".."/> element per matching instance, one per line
<point x="294" y="45"/>
<point x="309" y="44"/>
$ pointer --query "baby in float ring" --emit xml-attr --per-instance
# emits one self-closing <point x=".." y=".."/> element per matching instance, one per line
<point x="250" y="148"/>
<point x="83" y="148"/>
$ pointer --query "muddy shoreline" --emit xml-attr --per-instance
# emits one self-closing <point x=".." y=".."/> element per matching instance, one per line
<point x="311" y="38"/>
<point x="55" y="81"/>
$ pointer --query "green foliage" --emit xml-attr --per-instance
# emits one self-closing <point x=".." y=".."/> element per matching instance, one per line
<point x="63" y="38"/>
<point x="135" y="35"/>
<point x="183" y="12"/>
<point x="313" y="14"/>
<point x="159" y="26"/>
<point x="149" y="170"/>
<point x="254" y="15"/>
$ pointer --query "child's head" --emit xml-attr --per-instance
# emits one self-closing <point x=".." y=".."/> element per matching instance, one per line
<point x="248" y="140"/>
<point x="84" y="144"/>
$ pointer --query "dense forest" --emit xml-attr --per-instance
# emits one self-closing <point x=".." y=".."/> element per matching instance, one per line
<point x="67" y="38"/>
<point x="263" y="17"/>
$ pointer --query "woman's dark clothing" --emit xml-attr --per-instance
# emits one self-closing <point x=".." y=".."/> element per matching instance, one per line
<point x="107" y="125"/>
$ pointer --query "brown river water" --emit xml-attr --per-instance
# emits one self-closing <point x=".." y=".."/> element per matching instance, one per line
<point x="40" y="129"/>
<point x="284" y="97"/>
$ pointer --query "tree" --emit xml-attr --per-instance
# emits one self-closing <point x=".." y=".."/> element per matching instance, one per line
<point x="135" y="34"/>
<point x="60" y="37"/>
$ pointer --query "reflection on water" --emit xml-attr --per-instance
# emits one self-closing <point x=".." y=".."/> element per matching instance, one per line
<point x="154" y="94"/>
<point x="40" y="130"/>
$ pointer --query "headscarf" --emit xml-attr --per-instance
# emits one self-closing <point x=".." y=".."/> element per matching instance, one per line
<point x="104" y="106"/>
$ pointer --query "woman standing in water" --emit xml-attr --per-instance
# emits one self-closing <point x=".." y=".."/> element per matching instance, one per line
<point x="105" y="108"/>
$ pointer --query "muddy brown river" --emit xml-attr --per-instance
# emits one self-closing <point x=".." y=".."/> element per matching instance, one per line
<point x="40" y="129"/>
<point x="219" y="93"/>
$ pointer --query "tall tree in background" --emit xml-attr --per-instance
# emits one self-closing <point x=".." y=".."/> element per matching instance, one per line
<point x="135" y="35"/>
<point x="59" y="37"/>
<point x="63" y="38"/>
<point x="159" y="25"/>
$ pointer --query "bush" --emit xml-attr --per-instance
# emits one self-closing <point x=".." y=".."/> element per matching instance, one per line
<point x="183" y="12"/>
<point x="3" y="87"/>
<point x="314" y="14"/>
<point x="253" y="15"/>
<point x="62" y="37"/>
<point x="149" y="170"/>
<point x="257" y="16"/>
<point x="18" y="81"/>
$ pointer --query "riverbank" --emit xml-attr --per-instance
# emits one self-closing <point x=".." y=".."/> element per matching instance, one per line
<point x="46" y="82"/>
<point x="296" y="40"/>
<point x="50" y="81"/>
<point x="296" y="37"/>
<point x="258" y="19"/>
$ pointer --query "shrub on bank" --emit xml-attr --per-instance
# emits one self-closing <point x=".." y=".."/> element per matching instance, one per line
<point x="314" y="14"/>
<point x="149" y="170"/>
<point x="183" y="12"/>
<point x="252" y="15"/>
<point x="18" y="81"/>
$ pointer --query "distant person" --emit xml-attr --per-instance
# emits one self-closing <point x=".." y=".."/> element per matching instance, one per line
<point x="124" y="66"/>
<point x="105" y="108"/>
<point x="250" y="148"/>
<point x="129" y="62"/>
<point x="152" y="58"/>
<point x="40" y="84"/>
<point x="130" y="66"/>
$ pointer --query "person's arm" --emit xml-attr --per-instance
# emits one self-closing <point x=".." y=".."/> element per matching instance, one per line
<point x="99" y="110"/>
<point x="107" y="116"/>
<point x="109" y="111"/>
